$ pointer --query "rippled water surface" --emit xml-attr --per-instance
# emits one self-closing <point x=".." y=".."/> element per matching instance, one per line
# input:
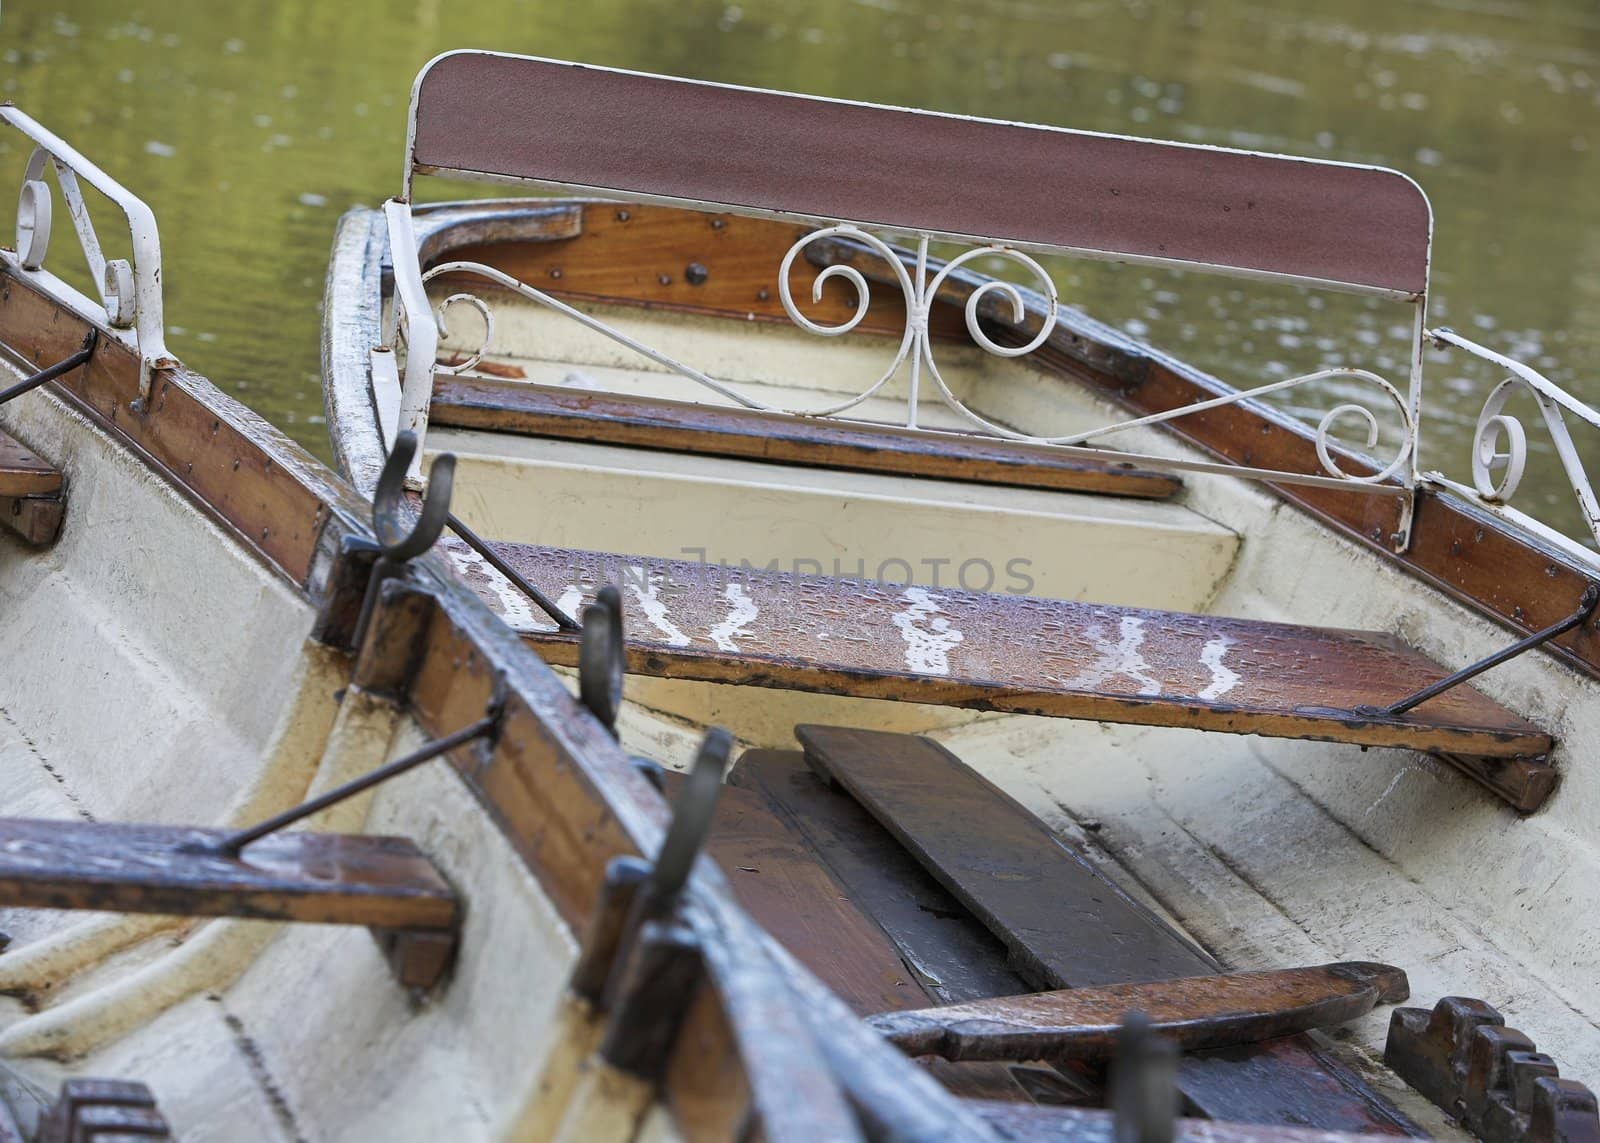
<point x="249" y="127"/>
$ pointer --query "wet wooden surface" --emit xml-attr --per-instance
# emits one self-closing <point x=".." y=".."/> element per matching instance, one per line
<point x="609" y="418"/>
<point x="24" y="474"/>
<point x="384" y="882"/>
<point x="918" y="937"/>
<point x="1195" y="1012"/>
<point x="1014" y="653"/>
<point x="1068" y="926"/>
<point x="952" y="955"/>
<point x="1084" y="1125"/>
<point x="785" y="887"/>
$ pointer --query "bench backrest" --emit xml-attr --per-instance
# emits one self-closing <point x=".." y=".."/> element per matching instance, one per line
<point x="522" y="119"/>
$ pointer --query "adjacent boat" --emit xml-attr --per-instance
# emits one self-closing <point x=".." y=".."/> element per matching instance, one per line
<point x="1230" y="658"/>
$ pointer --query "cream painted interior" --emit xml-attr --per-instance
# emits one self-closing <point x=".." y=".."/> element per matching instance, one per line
<point x="155" y="672"/>
<point x="1269" y="852"/>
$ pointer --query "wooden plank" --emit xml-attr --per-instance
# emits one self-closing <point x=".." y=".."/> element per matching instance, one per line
<point x="953" y="956"/>
<point x="644" y="422"/>
<point x="1067" y="925"/>
<point x="1013" y="653"/>
<point x="384" y="882"/>
<point x="1212" y="1011"/>
<point x="946" y="952"/>
<point x="790" y="893"/>
<point x="24" y="474"/>
<point x="586" y="127"/>
<point x="1088" y="1125"/>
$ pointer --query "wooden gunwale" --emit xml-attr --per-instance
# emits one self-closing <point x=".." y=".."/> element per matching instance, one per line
<point x="1473" y="557"/>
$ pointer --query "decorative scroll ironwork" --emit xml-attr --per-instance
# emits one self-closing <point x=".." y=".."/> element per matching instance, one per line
<point x="129" y="291"/>
<point x="1494" y="427"/>
<point x="914" y="354"/>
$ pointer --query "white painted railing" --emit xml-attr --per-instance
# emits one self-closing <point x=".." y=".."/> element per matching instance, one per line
<point x="129" y="292"/>
<point x="1398" y="477"/>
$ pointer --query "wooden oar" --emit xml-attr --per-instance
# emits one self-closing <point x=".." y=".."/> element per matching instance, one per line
<point x="1197" y="1012"/>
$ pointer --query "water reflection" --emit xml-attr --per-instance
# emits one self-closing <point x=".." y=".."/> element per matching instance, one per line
<point x="250" y="126"/>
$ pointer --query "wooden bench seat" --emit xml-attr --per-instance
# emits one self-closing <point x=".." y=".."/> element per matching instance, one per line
<point x="31" y="500"/>
<point x="384" y="883"/>
<point x="535" y="410"/>
<point x="1067" y="926"/>
<point x="1020" y="654"/>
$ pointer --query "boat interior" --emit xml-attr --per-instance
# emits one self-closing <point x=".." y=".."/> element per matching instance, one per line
<point x="911" y="765"/>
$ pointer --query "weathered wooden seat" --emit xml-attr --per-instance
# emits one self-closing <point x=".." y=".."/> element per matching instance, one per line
<point x="31" y="498"/>
<point x="613" y="418"/>
<point x="1032" y="656"/>
<point x="1079" y="929"/>
<point x="384" y="883"/>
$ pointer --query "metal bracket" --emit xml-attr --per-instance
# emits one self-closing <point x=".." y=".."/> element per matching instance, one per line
<point x="1586" y="608"/>
<point x="399" y="539"/>
<point x="493" y="558"/>
<point x="51" y="372"/>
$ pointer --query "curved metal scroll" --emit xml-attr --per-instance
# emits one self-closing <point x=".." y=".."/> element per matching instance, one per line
<point x="601" y="664"/>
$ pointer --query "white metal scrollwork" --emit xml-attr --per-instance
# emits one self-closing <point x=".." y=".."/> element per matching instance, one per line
<point x="1495" y="428"/>
<point x="914" y="354"/>
<point x="129" y="291"/>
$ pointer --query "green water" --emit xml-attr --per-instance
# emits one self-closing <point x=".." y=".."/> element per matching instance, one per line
<point x="249" y="127"/>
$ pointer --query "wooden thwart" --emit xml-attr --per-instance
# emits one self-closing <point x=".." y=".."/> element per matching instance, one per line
<point x="1014" y="653"/>
<point x="384" y="882"/>
<point x="31" y="500"/>
<point x="1196" y="1012"/>
<point x="1067" y="926"/>
<point x="646" y="422"/>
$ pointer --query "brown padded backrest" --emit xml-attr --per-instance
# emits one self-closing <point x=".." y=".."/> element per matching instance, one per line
<point x="520" y="118"/>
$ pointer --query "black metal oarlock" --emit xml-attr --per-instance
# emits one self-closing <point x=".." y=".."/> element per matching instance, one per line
<point x="1586" y="608"/>
<point x="51" y="372"/>
<point x="601" y="664"/>
<point x="485" y="727"/>
<point x="639" y="958"/>
<point x="400" y="539"/>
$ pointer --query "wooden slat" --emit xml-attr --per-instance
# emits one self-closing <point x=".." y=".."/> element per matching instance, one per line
<point x="834" y="927"/>
<point x="1067" y="925"/>
<point x="609" y="418"/>
<point x="1086" y="1125"/>
<point x="383" y="882"/>
<point x="784" y="886"/>
<point x="954" y="957"/>
<point x="24" y="474"/>
<point x="552" y="122"/>
<point x="1014" y="653"/>
<point x="1212" y="1011"/>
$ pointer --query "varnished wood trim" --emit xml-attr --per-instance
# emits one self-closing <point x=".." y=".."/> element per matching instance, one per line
<point x="567" y="414"/>
<point x="267" y="490"/>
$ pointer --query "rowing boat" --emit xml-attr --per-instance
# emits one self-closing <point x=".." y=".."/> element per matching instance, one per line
<point x="787" y="374"/>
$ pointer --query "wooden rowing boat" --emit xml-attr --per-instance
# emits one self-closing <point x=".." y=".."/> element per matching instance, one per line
<point x="1221" y="656"/>
<point x="945" y="915"/>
